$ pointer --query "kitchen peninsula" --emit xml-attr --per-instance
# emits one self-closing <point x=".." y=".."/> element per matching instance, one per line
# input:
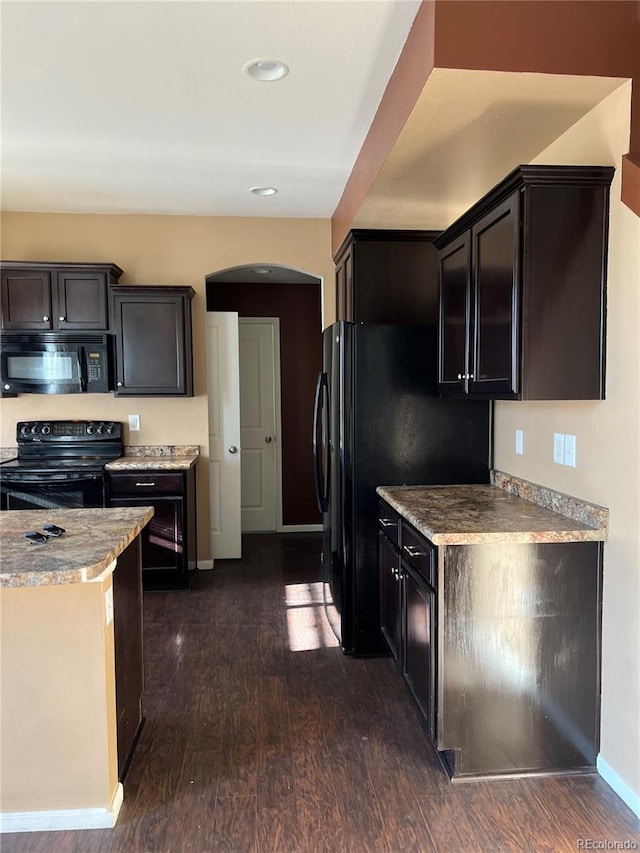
<point x="71" y="645"/>
<point x="490" y="599"/>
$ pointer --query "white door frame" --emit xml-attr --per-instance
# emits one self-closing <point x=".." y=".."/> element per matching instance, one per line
<point x="275" y="322"/>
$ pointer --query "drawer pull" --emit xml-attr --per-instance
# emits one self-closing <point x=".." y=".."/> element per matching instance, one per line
<point x="412" y="551"/>
<point x="386" y="522"/>
<point x="145" y="484"/>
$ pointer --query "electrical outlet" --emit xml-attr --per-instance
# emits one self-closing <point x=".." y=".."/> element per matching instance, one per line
<point x="558" y="448"/>
<point x="519" y="442"/>
<point x="134" y="423"/>
<point x="570" y="450"/>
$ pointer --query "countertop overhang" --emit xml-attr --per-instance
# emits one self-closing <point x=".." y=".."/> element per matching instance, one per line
<point x="93" y="540"/>
<point x="477" y="514"/>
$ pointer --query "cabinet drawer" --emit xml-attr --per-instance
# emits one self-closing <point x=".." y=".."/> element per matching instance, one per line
<point x="389" y="522"/>
<point x="145" y="482"/>
<point x="418" y="552"/>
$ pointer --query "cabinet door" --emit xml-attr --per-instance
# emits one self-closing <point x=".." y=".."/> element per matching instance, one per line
<point x="419" y="644"/>
<point x="127" y="635"/>
<point x="344" y="287"/>
<point x="454" y="278"/>
<point x="163" y="538"/>
<point x="82" y="300"/>
<point x="153" y="341"/>
<point x="494" y="328"/>
<point x="390" y="596"/>
<point x="26" y="299"/>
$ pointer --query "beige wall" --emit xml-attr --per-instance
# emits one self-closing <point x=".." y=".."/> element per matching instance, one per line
<point x="57" y="706"/>
<point x="608" y="439"/>
<point x="161" y="250"/>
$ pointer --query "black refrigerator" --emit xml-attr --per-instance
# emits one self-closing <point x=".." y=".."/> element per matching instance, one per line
<point x="378" y="421"/>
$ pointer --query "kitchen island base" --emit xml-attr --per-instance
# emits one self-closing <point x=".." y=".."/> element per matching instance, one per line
<point x="71" y="646"/>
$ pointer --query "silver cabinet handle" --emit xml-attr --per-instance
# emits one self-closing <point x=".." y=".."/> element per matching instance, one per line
<point x="412" y="551"/>
<point x="145" y="484"/>
<point x="45" y="319"/>
<point x="386" y="522"/>
<point x="61" y="318"/>
<point x="119" y="384"/>
<point x="233" y="449"/>
<point x="460" y="376"/>
<point x="268" y="439"/>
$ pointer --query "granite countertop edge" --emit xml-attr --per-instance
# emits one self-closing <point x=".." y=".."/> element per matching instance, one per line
<point x="166" y="459"/>
<point x="544" y="522"/>
<point x="125" y="525"/>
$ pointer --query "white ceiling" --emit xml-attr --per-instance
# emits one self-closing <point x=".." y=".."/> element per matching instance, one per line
<point x="142" y="107"/>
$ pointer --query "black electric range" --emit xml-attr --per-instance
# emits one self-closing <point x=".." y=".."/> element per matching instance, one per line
<point x="59" y="464"/>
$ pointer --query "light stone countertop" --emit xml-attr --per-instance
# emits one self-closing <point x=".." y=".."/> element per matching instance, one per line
<point x="164" y="457"/>
<point x="152" y="463"/>
<point x="471" y="515"/>
<point x="93" y="539"/>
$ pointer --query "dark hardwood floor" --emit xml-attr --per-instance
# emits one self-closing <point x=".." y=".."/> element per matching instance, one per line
<point x="262" y="736"/>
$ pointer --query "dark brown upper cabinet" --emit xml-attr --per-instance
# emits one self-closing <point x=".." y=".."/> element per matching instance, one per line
<point x="523" y="288"/>
<point x="153" y="341"/>
<point x="38" y="296"/>
<point x="387" y="277"/>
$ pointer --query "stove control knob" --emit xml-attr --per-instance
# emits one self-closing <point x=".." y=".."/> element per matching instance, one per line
<point x="46" y="429"/>
<point x="35" y="429"/>
<point x="25" y="429"/>
<point x="91" y="428"/>
<point x="101" y="429"/>
<point x="111" y="428"/>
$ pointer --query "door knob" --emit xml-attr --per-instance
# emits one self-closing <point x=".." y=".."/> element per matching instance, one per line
<point x="268" y="439"/>
<point x="233" y="449"/>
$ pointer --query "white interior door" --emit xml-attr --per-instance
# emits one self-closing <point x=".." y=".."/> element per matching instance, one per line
<point x="223" y="379"/>
<point x="259" y="421"/>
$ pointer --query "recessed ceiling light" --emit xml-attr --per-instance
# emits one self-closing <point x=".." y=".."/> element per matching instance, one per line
<point x="261" y="270"/>
<point x="266" y="70"/>
<point x="263" y="190"/>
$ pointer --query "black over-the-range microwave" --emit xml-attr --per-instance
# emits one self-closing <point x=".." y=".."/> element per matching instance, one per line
<point x="56" y="363"/>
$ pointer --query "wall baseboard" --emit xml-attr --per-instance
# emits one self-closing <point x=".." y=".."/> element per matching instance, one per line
<point x="300" y="528"/>
<point x="205" y="565"/>
<point x="59" y="819"/>
<point x="622" y="788"/>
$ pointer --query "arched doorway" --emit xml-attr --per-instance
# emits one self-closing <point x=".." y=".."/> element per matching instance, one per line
<point x="293" y="299"/>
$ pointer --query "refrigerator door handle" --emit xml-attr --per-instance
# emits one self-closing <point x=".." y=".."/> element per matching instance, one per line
<point x="321" y="498"/>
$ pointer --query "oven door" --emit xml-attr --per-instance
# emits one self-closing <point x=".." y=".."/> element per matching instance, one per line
<point x="67" y="491"/>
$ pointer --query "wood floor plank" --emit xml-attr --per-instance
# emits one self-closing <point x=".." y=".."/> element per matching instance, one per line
<point x="233" y="828"/>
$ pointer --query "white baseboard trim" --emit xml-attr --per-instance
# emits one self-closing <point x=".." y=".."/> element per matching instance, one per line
<point x="301" y="528"/>
<point x="205" y="565"/>
<point x="622" y="788"/>
<point x="59" y="819"/>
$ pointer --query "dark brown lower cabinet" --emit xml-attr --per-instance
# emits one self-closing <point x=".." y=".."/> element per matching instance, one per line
<point x="127" y="631"/>
<point x="499" y="645"/>
<point x="169" y="541"/>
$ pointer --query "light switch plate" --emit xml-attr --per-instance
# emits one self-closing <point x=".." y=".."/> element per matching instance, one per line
<point x="570" y="450"/>
<point x="519" y="442"/>
<point x="134" y="423"/>
<point x="558" y="448"/>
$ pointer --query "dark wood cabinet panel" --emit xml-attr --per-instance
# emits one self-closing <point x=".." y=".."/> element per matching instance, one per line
<point x="153" y="341"/>
<point x="54" y="296"/>
<point x="169" y="541"/>
<point x="26" y="299"/>
<point x="419" y="645"/>
<point x="387" y="277"/>
<point x="82" y="300"/>
<point x="390" y="596"/>
<point x="406" y="574"/>
<point x="523" y="288"/>
<point x="127" y="635"/>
